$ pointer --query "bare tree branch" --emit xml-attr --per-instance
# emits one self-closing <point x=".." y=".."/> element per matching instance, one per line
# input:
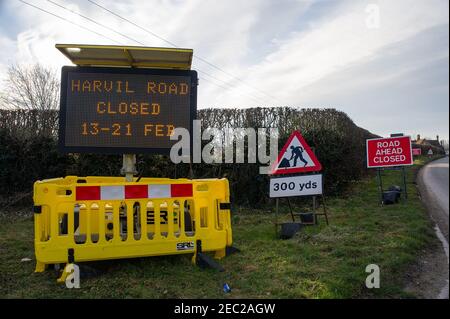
<point x="33" y="88"/>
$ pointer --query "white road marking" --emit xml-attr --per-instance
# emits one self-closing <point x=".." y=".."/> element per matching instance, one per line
<point x="444" y="292"/>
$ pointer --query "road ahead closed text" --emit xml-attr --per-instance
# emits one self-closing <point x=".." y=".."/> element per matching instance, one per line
<point x="134" y="109"/>
<point x="385" y="152"/>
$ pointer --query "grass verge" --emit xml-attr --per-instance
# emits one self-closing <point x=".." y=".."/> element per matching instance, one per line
<point x="319" y="262"/>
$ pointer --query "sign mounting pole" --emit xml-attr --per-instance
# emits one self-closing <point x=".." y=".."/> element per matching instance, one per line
<point x="404" y="183"/>
<point x="276" y="216"/>
<point x="128" y="166"/>
<point x="380" y="185"/>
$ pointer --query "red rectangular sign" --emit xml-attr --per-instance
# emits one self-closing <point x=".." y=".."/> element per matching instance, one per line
<point x="390" y="151"/>
<point x="417" y="151"/>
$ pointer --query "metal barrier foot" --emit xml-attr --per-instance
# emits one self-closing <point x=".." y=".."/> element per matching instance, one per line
<point x="65" y="272"/>
<point x="219" y="254"/>
<point x="231" y="250"/>
<point x="204" y="261"/>
<point x="40" y="267"/>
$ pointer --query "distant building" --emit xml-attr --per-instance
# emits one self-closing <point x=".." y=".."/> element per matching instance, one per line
<point x="427" y="144"/>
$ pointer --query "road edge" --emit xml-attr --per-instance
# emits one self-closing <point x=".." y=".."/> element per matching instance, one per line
<point x="426" y="199"/>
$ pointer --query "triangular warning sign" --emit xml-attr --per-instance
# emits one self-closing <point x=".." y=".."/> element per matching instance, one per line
<point x="296" y="157"/>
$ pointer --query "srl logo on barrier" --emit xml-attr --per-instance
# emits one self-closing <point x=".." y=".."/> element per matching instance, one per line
<point x="296" y="157"/>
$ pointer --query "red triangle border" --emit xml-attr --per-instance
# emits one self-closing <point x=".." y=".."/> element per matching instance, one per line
<point x="317" y="166"/>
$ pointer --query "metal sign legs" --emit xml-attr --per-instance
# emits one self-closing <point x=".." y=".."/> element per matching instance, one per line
<point x="315" y="213"/>
<point x="380" y="183"/>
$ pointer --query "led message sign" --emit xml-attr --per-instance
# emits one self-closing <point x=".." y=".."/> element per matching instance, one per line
<point x="124" y="110"/>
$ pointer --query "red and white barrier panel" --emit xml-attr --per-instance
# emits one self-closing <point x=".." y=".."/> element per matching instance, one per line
<point x="133" y="191"/>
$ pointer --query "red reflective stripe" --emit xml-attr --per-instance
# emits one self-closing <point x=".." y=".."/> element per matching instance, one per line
<point x="181" y="190"/>
<point x="87" y="193"/>
<point x="136" y="191"/>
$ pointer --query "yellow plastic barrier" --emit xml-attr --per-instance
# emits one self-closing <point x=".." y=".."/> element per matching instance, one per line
<point x="98" y="218"/>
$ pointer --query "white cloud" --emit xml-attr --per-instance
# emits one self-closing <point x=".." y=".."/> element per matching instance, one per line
<point x="304" y="53"/>
<point x="7" y="46"/>
<point x="308" y="56"/>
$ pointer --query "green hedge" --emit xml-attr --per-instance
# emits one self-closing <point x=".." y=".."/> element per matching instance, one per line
<point x="338" y="142"/>
<point x="24" y="160"/>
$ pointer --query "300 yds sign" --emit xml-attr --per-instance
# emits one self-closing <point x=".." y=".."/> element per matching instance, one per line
<point x="304" y="185"/>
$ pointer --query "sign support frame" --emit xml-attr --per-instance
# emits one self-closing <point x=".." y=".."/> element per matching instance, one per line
<point x="314" y="211"/>
<point x="404" y="183"/>
<point x="380" y="181"/>
<point x="380" y="185"/>
<point x="314" y="202"/>
<point x="381" y="167"/>
<point x="154" y="65"/>
<point x="128" y="166"/>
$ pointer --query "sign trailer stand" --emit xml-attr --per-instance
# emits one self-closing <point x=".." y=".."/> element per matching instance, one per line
<point x="93" y="108"/>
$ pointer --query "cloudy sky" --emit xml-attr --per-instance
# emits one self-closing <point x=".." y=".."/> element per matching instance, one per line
<point x="384" y="63"/>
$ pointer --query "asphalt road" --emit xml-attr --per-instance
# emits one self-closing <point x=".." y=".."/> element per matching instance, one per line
<point x="433" y="184"/>
<point x="434" y="181"/>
